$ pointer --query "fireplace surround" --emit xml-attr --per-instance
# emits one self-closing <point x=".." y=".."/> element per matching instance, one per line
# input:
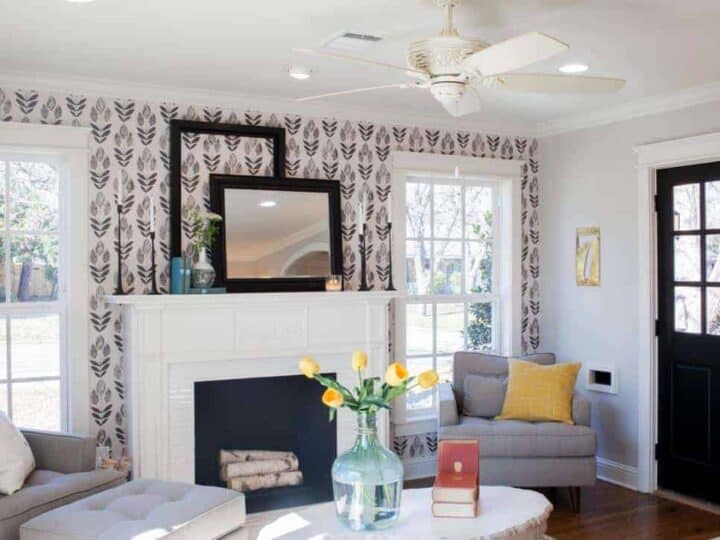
<point x="172" y="342"/>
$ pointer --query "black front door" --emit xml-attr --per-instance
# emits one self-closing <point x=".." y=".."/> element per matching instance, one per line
<point x="688" y="206"/>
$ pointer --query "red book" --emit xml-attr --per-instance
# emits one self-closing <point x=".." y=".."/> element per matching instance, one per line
<point x="457" y="475"/>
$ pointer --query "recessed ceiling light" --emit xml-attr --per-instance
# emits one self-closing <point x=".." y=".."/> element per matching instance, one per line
<point x="573" y="68"/>
<point x="267" y="204"/>
<point x="299" y="72"/>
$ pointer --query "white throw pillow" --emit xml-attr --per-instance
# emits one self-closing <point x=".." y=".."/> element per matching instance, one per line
<point x="16" y="458"/>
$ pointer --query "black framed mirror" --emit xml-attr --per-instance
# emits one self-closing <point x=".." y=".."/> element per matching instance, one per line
<point x="198" y="149"/>
<point x="276" y="234"/>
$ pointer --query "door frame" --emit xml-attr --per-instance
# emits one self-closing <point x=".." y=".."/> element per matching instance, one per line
<point x="650" y="158"/>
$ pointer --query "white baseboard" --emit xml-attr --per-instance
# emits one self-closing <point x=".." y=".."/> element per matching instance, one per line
<point x="617" y="473"/>
<point x="420" y="468"/>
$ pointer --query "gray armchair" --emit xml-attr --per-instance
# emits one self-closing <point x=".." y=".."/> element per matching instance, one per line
<point x="64" y="472"/>
<point x="512" y="452"/>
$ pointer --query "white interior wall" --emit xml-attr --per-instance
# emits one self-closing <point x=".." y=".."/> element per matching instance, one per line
<point x="589" y="179"/>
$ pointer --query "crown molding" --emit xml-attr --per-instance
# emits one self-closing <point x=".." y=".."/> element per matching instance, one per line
<point x="237" y="100"/>
<point x="673" y="101"/>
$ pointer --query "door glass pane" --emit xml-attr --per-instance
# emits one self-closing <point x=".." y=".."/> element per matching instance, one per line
<point x="686" y="207"/>
<point x="37" y="404"/>
<point x="712" y="257"/>
<point x="417" y="398"/>
<point x="478" y="213"/>
<point x="448" y="267"/>
<point x="713" y="311"/>
<point x="34" y="267"/>
<point x="479" y="328"/>
<point x="712" y="205"/>
<point x="419" y="333"/>
<point x="687" y="258"/>
<point x="417" y="222"/>
<point x="445" y="368"/>
<point x="478" y="267"/>
<point x="35" y="346"/>
<point x="448" y="211"/>
<point x="34" y="200"/>
<point x="687" y="309"/>
<point x="417" y="264"/>
<point x="450" y="325"/>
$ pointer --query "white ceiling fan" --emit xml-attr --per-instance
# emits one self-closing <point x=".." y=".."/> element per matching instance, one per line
<point x="451" y="66"/>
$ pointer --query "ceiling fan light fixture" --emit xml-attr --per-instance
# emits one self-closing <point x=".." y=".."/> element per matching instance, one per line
<point x="573" y="68"/>
<point x="447" y="93"/>
<point x="299" y="73"/>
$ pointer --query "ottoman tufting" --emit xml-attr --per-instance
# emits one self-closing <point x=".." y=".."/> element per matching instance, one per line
<point x="143" y="509"/>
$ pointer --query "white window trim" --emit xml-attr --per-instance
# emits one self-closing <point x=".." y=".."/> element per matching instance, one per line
<point x="508" y="176"/>
<point x="69" y="148"/>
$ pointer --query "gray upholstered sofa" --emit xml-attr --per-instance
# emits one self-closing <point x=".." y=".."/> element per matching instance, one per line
<point x="65" y="472"/>
<point x="512" y="452"/>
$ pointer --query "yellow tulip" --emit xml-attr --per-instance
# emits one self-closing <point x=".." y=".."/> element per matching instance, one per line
<point x="396" y="374"/>
<point x="359" y="360"/>
<point x="428" y="379"/>
<point x="309" y="367"/>
<point x="332" y="398"/>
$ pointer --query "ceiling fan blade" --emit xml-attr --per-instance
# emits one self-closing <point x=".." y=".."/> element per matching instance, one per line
<point x="358" y="90"/>
<point x="556" y="84"/>
<point x="351" y="58"/>
<point x="468" y="103"/>
<point x="514" y="53"/>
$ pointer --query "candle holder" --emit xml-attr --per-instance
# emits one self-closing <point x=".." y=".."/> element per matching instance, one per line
<point x="390" y="286"/>
<point x="333" y="283"/>
<point x="119" y="291"/>
<point x="363" y="260"/>
<point x="153" y="285"/>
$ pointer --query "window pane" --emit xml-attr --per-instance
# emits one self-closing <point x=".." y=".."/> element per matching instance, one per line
<point x="37" y="404"/>
<point x="448" y="267"/>
<point x="419" y="334"/>
<point x="34" y="267"/>
<point x="445" y="368"/>
<point x="686" y="205"/>
<point x="35" y="346"/>
<point x="712" y="205"/>
<point x="478" y="213"/>
<point x="34" y="200"/>
<point x="2" y="267"/>
<point x="687" y="309"/>
<point x="418" y="267"/>
<point x="687" y="258"/>
<point x="417" y="398"/>
<point x="713" y="311"/>
<point x="450" y="324"/>
<point x="417" y="198"/>
<point x="3" y="349"/>
<point x="3" y="398"/>
<point x="448" y="211"/>
<point x="2" y="194"/>
<point x="712" y="259"/>
<point x="478" y="267"/>
<point x="479" y="328"/>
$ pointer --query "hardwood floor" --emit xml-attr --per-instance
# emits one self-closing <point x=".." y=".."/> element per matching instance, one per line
<point x="610" y="512"/>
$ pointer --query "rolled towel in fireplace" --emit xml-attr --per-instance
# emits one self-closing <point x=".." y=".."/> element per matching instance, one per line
<point x="263" y="481"/>
<point x="252" y="468"/>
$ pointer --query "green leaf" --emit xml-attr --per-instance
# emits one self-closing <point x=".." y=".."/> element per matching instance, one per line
<point x="331" y="414"/>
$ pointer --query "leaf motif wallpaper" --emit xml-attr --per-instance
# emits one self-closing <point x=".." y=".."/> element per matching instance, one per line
<point x="129" y="145"/>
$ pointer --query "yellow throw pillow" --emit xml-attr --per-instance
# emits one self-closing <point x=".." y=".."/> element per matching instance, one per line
<point x="538" y="393"/>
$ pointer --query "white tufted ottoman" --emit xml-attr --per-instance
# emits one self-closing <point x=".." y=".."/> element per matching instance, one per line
<point x="143" y="510"/>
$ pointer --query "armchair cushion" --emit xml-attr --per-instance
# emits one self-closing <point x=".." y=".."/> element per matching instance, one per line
<point x="581" y="410"/>
<point x="483" y="395"/>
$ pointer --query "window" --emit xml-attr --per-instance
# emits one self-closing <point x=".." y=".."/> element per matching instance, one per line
<point x="33" y="308"/>
<point x="453" y="300"/>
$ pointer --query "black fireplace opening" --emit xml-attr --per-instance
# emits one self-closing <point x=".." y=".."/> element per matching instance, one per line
<point x="276" y="441"/>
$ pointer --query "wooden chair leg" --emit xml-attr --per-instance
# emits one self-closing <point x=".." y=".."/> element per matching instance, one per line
<point x="575" y="498"/>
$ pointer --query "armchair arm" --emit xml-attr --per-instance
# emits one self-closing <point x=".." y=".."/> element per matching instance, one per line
<point x="61" y="452"/>
<point x="447" y="406"/>
<point x="581" y="410"/>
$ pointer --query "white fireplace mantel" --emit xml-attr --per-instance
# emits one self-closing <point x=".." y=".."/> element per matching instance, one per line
<point x="173" y="341"/>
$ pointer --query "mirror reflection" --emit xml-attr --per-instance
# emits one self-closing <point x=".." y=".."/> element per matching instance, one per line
<point x="270" y="233"/>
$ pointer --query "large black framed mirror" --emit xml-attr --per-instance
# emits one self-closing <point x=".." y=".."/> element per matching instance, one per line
<point x="276" y="234"/>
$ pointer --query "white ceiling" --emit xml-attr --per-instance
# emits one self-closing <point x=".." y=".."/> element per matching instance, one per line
<point x="243" y="47"/>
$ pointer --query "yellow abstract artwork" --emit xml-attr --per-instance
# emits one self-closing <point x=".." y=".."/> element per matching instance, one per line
<point x="587" y="256"/>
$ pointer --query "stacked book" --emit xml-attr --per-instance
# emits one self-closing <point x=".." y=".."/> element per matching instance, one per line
<point x="455" y="491"/>
<point x="250" y="470"/>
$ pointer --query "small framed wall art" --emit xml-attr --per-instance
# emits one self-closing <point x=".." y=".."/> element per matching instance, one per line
<point x="587" y="257"/>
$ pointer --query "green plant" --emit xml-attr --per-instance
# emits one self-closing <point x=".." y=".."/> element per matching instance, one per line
<point x="205" y="226"/>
